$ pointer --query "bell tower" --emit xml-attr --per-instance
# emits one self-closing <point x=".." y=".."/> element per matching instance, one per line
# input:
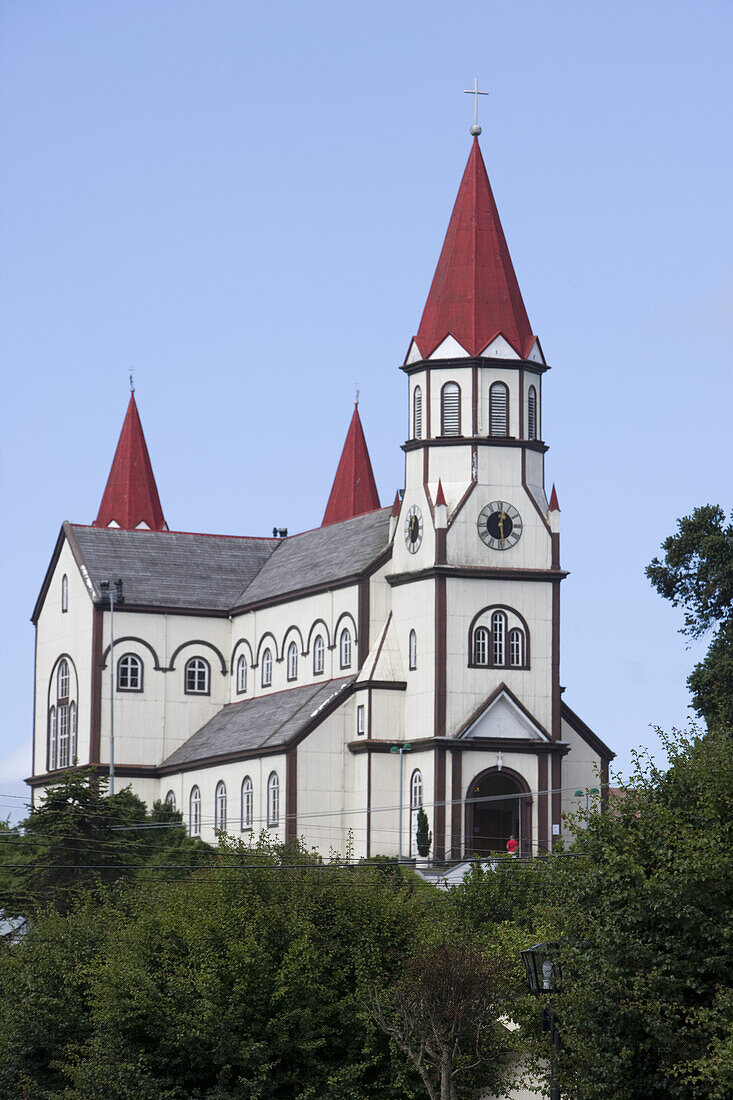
<point x="476" y="539"/>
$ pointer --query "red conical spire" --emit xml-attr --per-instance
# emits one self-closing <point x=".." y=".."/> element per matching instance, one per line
<point x="475" y="295"/>
<point x="354" y="489"/>
<point x="554" y="506"/>
<point x="440" y="495"/>
<point x="131" y="496"/>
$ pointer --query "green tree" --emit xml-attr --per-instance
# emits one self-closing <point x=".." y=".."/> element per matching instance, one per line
<point x="423" y="835"/>
<point x="245" y="982"/>
<point x="643" y="908"/>
<point x="697" y="575"/>
<point x="79" y="833"/>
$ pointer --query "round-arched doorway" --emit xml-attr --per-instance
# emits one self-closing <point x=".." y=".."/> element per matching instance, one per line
<point x="498" y="805"/>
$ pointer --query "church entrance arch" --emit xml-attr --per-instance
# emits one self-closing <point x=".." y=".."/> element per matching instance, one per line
<point x="498" y="805"/>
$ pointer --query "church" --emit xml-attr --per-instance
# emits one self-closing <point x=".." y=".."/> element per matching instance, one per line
<point x="328" y="684"/>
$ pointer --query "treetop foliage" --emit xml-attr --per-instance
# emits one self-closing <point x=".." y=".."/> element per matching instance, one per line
<point x="697" y="575"/>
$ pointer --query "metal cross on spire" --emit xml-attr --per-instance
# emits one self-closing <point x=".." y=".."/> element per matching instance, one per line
<point x="475" y="129"/>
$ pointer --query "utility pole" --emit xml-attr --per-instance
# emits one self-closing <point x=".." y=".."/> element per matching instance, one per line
<point x="401" y="749"/>
<point x="109" y="590"/>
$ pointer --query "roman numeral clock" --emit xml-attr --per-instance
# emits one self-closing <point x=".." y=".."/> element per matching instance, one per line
<point x="499" y="525"/>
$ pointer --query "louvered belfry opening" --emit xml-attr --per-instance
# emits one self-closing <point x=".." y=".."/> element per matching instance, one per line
<point x="417" y="413"/>
<point x="532" y="413"/>
<point x="450" y="409"/>
<point x="499" y="409"/>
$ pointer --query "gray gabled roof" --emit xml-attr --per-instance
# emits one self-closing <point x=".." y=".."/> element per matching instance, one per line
<point x="319" y="557"/>
<point x="264" y="724"/>
<point x="172" y="569"/>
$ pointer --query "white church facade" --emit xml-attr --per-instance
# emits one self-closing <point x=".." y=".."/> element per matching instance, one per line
<point x="292" y="683"/>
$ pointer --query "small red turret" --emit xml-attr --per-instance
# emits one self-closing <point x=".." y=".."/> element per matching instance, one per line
<point x="131" y="496"/>
<point x="354" y="490"/>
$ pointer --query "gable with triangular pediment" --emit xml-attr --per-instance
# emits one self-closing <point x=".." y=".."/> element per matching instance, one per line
<point x="504" y="718"/>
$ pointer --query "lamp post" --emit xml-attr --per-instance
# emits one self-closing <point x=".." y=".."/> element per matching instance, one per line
<point x="544" y="973"/>
<point x="401" y="749"/>
<point x="588" y="792"/>
<point x="108" y="591"/>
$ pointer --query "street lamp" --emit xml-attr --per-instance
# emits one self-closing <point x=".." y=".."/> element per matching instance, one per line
<point x="587" y="792"/>
<point x="109" y="596"/>
<point x="401" y="749"/>
<point x="544" y="974"/>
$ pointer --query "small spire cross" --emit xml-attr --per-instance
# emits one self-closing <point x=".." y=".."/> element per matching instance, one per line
<point x="475" y="129"/>
<point x="132" y="381"/>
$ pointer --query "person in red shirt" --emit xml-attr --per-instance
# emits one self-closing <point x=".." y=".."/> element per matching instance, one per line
<point x="512" y="845"/>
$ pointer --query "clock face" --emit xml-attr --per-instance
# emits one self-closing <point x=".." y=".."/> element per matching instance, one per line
<point x="413" y="529"/>
<point x="500" y="525"/>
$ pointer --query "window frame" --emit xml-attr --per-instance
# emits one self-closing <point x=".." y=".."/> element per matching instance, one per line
<point x="360" y="720"/>
<point x="412" y="651"/>
<point x="532" y="422"/>
<point x="516" y="635"/>
<point x="459" y="397"/>
<point x="194" y="811"/>
<point x="266" y="668"/>
<point x="64" y="594"/>
<point x="220" y="808"/>
<point x="498" y="639"/>
<point x="241" y="675"/>
<point x="202" y="666"/>
<point x="319" y="655"/>
<point x="170" y="800"/>
<point x="417" y="412"/>
<point x="129" y="657"/>
<point x="495" y="387"/>
<point x="63" y="681"/>
<point x="481" y="638"/>
<point x="273" y="800"/>
<point x="292" y="662"/>
<point x="246" y="805"/>
<point x="345" y="653"/>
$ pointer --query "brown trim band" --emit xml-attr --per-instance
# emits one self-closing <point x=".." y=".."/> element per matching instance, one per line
<point x="95" y="700"/>
<point x="475" y="441"/>
<point x="456" y="848"/>
<point x="477" y="361"/>
<point x="291" y="794"/>
<point x="478" y="572"/>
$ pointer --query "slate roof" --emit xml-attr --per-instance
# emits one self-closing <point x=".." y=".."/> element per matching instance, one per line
<point x="320" y="557"/>
<point x="170" y="569"/>
<point x="217" y="573"/>
<point x="268" y="722"/>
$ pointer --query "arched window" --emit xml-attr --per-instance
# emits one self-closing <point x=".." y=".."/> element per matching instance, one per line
<point x="194" y="812"/>
<point x="417" y="413"/>
<point x="273" y="799"/>
<point x="499" y="409"/>
<point x="241" y="675"/>
<point x="516" y="647"/>
<point x="62" y="681"/>
<point x="450" y="409"/>
<point x="52" y="742"/>
<point x="415" y="804"/>
<point x="72" y="733"/>
<point x="416" y="790"/>
<point x="62" y="721"/>
<point x="267" y="669"/>
<point x="64" y="593"/>
<point x="481" y="646"/>
<point x="292" y="661"/>
<point x="220" y="807"/>
<point x="170" y="800"/>
<point x="498" y="634"/>
<point x="196" y="676"/>
<point x="319" y="651"/>
<point x="247" y="803"/>
<point x="345" y="648"/>
<point x="413" y="649"/>
<point x="532" y="413"/>
<point x="129" y="673"/>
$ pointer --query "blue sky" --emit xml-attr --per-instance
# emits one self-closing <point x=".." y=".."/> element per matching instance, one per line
<point x="245" y="202"/>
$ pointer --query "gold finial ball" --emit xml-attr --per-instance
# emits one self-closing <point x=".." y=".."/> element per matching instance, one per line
<point x="476" y="129"/>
